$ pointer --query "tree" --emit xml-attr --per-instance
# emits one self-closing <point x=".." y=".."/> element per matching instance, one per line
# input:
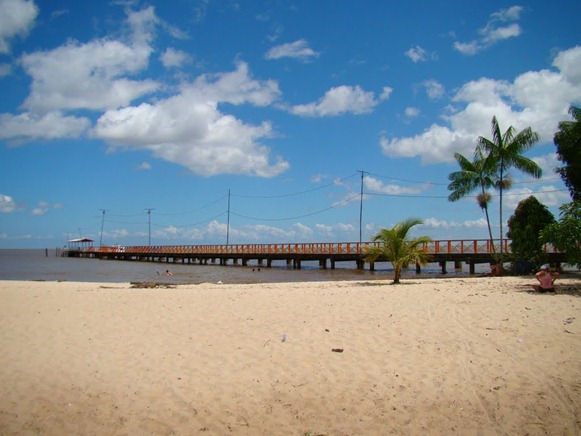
<point x="398" y="247"/>
<point x="568" y="142"/>
<point x="565" y="235"/>
<point x="472" y="175"/>
<point x="524" y="228"/>
<point x="504" y="152"/>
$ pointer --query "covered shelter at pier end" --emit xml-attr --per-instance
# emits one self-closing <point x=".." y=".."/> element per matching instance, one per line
<point x="80" y="244"/>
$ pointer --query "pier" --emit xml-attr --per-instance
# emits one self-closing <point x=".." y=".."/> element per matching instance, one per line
<point x="327" y="254"/>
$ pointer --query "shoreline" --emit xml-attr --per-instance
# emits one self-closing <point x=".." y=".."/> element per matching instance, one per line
<point x="428" y="356"/>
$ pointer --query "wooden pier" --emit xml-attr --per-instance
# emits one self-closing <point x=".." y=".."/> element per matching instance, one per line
<point x="327" y="254"/>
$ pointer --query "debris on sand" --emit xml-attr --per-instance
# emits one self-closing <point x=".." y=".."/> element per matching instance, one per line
<point x="152" y="285"/>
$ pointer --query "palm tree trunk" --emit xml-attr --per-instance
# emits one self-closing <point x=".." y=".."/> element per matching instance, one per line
<point x="488" y="222"/>
<point x="500" y="199"/>
<point x="490" y="232"/>
<point x="396" y="274"/>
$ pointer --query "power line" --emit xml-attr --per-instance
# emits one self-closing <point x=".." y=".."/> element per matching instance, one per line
<point x="335" y="182"/>
<point x="195" y="210"/>
<point x="380" y="194"/>
<point x="194" y="224"/>
<point x="298" y="216"/>
<point x="407" y="180"/>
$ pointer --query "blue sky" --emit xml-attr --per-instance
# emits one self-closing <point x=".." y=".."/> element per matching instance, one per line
<point x="257" y="119"/>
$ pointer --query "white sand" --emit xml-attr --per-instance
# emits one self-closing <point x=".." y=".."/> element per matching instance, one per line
<point x="433" y="356"/>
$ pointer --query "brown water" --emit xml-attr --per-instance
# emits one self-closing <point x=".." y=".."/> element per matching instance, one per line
<point x="46" y="265"/>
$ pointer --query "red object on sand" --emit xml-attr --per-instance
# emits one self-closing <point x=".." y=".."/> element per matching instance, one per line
<point x="337" y="350"/>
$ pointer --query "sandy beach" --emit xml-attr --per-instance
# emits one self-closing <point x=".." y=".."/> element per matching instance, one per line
<point x="429" y="356"/>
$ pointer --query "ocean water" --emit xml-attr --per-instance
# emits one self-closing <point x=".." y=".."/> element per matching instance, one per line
<point x="47" y="265"/>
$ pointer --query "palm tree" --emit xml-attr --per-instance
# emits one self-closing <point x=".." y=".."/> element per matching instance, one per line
<point x="505" y="151"/>
<point x="568" y="142"/>
<point x="398" y="247"/>
<point x="472" y="175"/>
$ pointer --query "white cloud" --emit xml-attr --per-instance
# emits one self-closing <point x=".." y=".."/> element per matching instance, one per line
<point x="324" y="230"/>
<point x="494" y="31"/>
<point x="7" y="204"/>
<point x="41" y="209"/>
<point x="467" y="48"/>
<point x="434" y="89"/>
<point x="91" y="75"/>
<point x="434" y="223"/>
<point x="377" y="186"/>
<point x="144" y="166"/>
<point x="301" y="232"/>
<point x="386" y="93"/>
<point x="298" y="50"/>
<point x="569" y="64"/>
<point x="189" y="129"/>
<point x="340" y="100"/>
<point x="28" y="126"/>
<point x="412" y="112"/>
<point x="549" y="195"/>
<point x="172" y="58"/>
<point x="416" y="54"/>
<point x="235" y="87"/>
<point x="539" y="99"/>
<point x="16" y="18"/>
<point x="502" y="33"/>
<point x="548" y="163"/>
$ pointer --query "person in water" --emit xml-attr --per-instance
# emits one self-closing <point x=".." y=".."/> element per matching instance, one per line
<point x="546" y="279"/>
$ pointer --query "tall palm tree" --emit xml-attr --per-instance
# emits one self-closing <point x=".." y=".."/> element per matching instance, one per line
<point x="398" y="247"/>
<point x="473" y="175"/>
<point x="505" y="151"/>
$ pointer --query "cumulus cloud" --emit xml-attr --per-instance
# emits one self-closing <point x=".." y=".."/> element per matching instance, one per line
<point x="374" y="185"/>
<point x="434" y="223"/>
<point x="494" y="31"/>
<point x="386" y="93"/>
<point x="539" y="99"/>
<point x="28" y="126"/>
<point x="7" y="204"/>
<point x="434" y="89"/>
<point x="297" y="50"/>
<point x="91" y="75"/>
<point x="236" y="87"/>
<point x="549" y="195"/>
<point x="341" y="100"/>
<point x="189" y="129"/>
<point x="419" y="54"/>
<point x="16" y="19"/>
<point x="172" y="58"/>
<point x="416" y="54"/>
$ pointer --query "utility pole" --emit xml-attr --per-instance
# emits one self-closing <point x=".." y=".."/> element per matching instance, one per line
<point x="228" y="224"/>
<point x="361" y="209"/>
<point x="102" y="224"/>
<point x="149" y="215"/>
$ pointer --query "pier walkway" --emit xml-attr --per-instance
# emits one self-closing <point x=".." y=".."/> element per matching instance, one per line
<point x="327" y="254"/>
